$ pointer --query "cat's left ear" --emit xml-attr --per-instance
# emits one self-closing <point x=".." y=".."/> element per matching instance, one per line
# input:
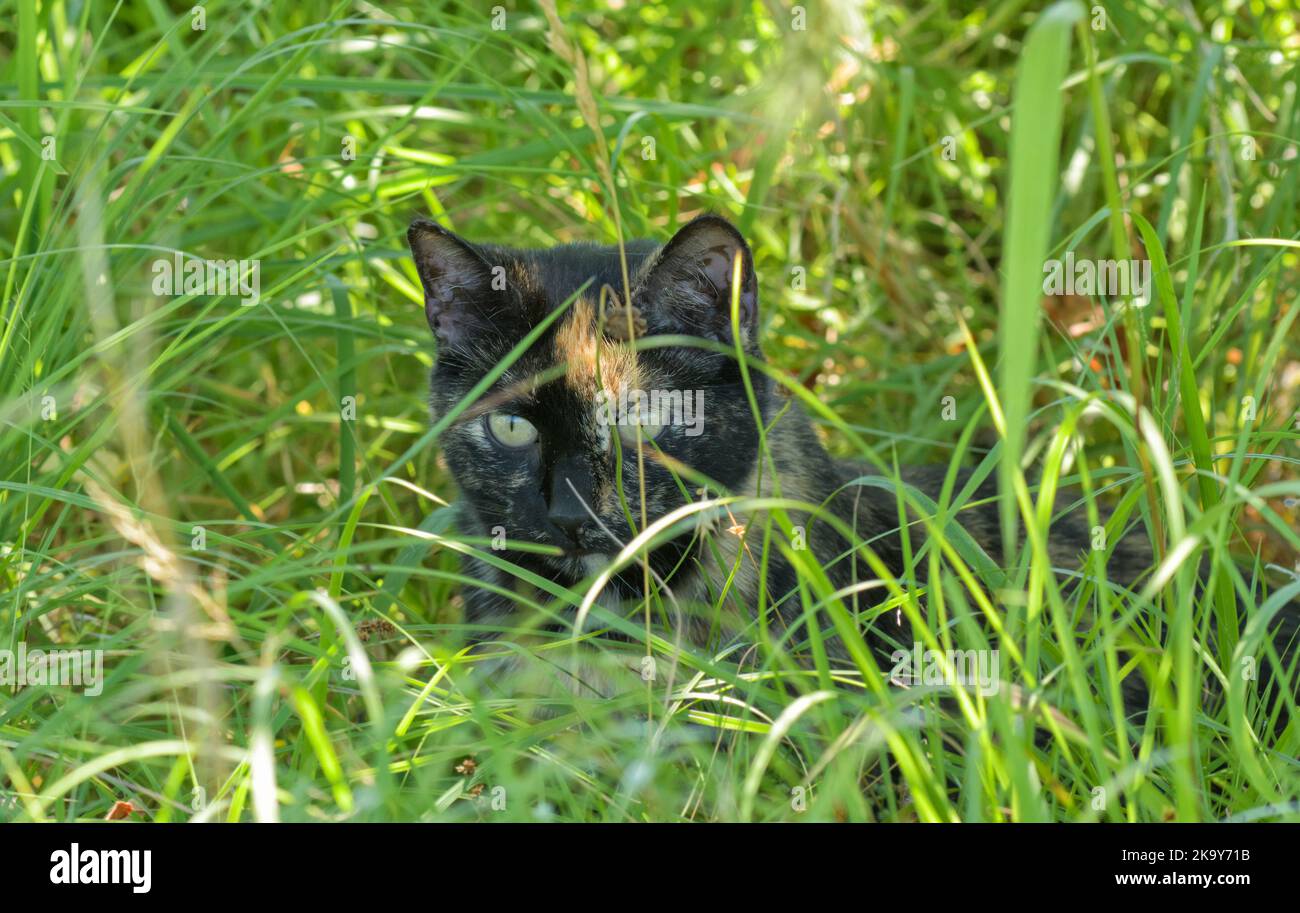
<point x="688" y="286"/>
<point x="458" y="293"/>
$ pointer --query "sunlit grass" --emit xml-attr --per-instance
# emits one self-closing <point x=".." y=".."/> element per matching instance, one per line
<point x="244" y="506"/>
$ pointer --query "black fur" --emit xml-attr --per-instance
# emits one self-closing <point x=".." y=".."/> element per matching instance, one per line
<point x="683" y="287"/>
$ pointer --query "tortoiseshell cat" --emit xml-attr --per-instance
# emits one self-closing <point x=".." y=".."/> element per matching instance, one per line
<point x="535" y="456"/>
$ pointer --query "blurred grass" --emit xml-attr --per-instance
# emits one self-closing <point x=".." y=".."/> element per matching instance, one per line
<point x="296" y="665"/>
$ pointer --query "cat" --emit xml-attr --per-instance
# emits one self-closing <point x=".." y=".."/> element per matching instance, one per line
<point x="541" y="455"/>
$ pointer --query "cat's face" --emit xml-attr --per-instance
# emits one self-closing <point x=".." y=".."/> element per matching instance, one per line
<point x="539" y="455"/>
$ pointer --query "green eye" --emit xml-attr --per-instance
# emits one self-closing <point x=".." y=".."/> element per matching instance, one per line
<point x="511" y="430"/>
<point x="646" y="429"/>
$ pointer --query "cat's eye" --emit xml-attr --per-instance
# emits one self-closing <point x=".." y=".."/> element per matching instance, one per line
<point x="648" y="430"/>
<point x="511" y="430"/>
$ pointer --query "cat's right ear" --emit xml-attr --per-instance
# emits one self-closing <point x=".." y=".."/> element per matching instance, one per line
<point x="456" y="281"/>
<point x="687" y="286"/>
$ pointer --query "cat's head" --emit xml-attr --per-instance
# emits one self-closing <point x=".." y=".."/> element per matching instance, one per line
<point x="537" y="454"/>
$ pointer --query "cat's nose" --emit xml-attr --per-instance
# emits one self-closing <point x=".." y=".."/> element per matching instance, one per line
<point x="570" y="523"/>
<point x="571" y="487"/>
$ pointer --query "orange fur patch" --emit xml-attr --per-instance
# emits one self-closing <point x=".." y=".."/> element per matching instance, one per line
<point x="591" y="360"/>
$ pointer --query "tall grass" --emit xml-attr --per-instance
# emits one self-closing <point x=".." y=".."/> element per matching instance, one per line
<point x="245" y="508"/>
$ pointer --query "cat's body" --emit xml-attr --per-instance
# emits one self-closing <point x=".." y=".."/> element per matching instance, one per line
<point x="536" y="462"/>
